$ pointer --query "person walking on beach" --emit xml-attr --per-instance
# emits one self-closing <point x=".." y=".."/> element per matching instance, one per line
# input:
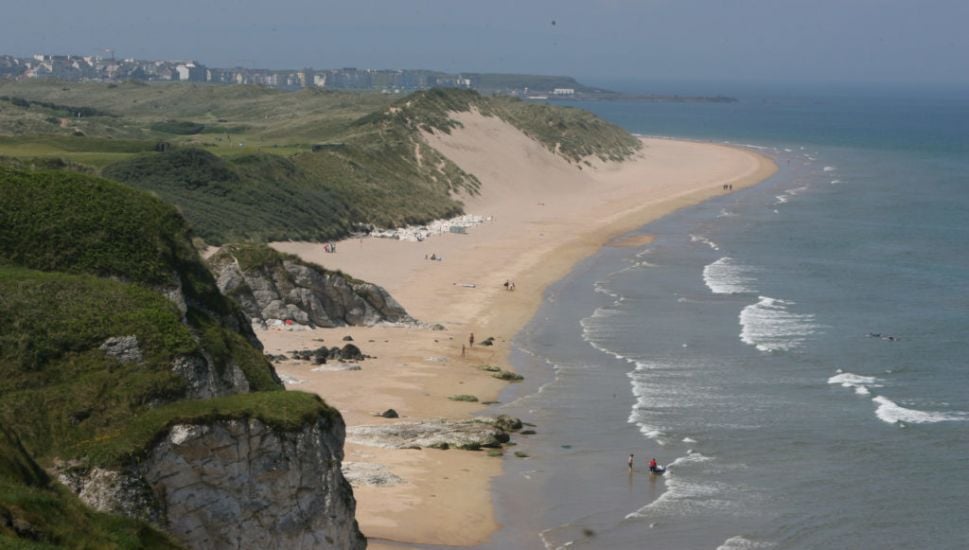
<point x="471" y="340"/>
<point x="652" y="465"/>
<point x="630" y="462"/>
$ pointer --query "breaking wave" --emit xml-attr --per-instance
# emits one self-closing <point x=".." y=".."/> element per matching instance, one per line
<point x="770" y="326"/>
<point x="726" y="276"/>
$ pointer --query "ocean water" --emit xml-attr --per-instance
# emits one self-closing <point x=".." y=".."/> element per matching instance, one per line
<point x="797" y="353"/>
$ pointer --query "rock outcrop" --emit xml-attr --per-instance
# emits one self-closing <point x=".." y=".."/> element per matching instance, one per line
<point x="367" y="474"/>
<point x="270" y="285"/>
<point x="204" y="380"/>
<point x="437" y="434"/>
<point x="235" y="483"/>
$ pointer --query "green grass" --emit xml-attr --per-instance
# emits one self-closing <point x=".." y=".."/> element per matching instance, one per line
<point x="283" y="410"/>
<point x="57" y="387"/>
<point x="58" y="221"/>
<point x="251" y="197"/>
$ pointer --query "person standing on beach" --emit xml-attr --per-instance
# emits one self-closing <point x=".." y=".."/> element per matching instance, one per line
<point x="630" y="462"/>
<point x="471" y="340"/>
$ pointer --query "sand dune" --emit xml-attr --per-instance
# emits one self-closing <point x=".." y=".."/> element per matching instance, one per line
<point x="547" y="215"/>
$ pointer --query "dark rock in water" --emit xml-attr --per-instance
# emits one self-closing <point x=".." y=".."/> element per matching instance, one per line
<point x="438" y="326"/>
<point x="527" y="432"/>
<point x="390" y="413"/>
<point x="348" y="338"/>
<point x="489" y="341"/>
<point x="508" y="423"/>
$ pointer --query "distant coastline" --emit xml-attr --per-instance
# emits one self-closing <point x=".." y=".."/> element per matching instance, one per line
<point x="391" y="81"/>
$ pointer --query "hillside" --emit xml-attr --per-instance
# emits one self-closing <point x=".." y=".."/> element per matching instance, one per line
<point x="250" y="163"/>
<point x="113" y="337"/>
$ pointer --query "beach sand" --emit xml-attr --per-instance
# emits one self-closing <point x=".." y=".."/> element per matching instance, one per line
<point x="547" y="214"/>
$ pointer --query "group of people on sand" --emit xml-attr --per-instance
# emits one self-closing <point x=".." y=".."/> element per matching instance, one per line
<point x="654" y="468"/>
<point x="509" y="285"/>
<point x="728" y="187"/>
<point x="433" y="257"/>
<point x="329" y="247"/>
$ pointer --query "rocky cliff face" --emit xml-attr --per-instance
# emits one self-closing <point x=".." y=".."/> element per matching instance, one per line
<point x="235" y="484"/>
<point x="279" y="286"/>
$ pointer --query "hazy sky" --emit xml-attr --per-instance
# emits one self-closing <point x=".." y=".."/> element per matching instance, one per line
<point x="907" y="41"/>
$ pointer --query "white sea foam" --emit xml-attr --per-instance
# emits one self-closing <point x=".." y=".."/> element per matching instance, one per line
<point x="786" y="150"/>
<point x="640" y="388"/>
<point x="741" y="543"/>
<point x="726" y="276"/>
<point x="891" y="412"/>
<point x="692" y="457"/>
<point x="770" y="326"/>
<point x="835" y="181"/>
<point x="829" y="168"/>
<point x="689" y="440"/>
<point x="781" y="199"/>
<point x="704" y="240"/>
<point x="724" y="213"/>
<point x="858" y="382"/>
<point x="684" y="497"/>
<point x="599" y="286"/>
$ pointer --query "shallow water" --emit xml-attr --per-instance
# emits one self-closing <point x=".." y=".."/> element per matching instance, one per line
<point x="796" y="352"/>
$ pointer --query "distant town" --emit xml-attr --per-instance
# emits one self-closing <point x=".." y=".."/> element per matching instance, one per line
<point x="111" y="69"/>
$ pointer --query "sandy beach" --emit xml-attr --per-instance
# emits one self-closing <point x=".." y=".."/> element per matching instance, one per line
<point x="545" y="214"/>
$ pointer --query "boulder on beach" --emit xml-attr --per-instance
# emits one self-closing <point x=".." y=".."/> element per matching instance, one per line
<point x="441" y="434"/>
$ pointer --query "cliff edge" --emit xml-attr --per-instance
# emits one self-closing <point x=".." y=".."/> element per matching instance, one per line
<point x="127" y="377"/>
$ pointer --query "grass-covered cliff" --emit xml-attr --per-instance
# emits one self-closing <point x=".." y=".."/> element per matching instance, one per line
<point x="87" y="263"/>
<point x="249" y="163"/>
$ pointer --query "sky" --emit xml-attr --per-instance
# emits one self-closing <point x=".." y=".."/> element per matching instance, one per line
<point x="912" y="42"/>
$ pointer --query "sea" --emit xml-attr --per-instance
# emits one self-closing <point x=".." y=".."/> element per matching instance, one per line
<point x="796" y="353"/>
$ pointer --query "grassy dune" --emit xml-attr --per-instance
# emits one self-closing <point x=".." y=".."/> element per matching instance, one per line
<point x="252" y="163"/>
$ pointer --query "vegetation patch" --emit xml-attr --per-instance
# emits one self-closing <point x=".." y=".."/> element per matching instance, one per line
<point x="178" y="127"/>
<point x="258" y="197"/>
<point x="282" y="410"/>
<point x="508" y="376"/>
<point x="464" y="397"/>
<point x="307" y="165"/>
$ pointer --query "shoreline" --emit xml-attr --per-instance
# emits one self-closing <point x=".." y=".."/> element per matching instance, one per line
<point x="538" y="235"/>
